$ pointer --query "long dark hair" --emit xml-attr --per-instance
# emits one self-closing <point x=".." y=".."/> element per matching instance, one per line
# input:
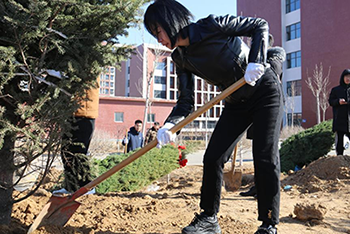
<point x="170" y="15"/>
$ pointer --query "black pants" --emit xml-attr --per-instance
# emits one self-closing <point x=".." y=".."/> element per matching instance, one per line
<point x="340" y="142"/>
<point x="75" y="161"/>
<point x="264" y="109"/>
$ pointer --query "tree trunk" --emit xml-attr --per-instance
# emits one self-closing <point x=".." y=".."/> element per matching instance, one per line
<point x="145" y="117"/>
<point x="149" y="82"/>
<point x="318" y="109"/>
<point x="6" y="180"/>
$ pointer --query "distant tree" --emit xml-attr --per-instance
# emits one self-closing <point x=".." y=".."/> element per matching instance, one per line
<point x="50" y="53"/>
<point x="290" y="102"/>
<point x="318" y="84"/>
<point x="324" y="104"/>
<point x="158" y="55"/>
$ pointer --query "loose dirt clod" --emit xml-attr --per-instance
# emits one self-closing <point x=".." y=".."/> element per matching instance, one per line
<point x="307" y="211"/>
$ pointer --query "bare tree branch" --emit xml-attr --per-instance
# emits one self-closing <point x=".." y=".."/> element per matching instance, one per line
<point x="318" y="84"/>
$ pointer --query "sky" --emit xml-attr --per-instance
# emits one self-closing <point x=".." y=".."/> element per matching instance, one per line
<point x="199" y="8"/>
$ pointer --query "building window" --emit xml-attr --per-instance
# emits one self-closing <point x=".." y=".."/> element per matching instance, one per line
<point x="211" y="88"/>
<point x="112" y="78"/>
<point x="160" y="80"/>
<point x="210" y="124"/>
<point x="294" y="88"/>
<point x="159" y="94"/>
<point x="172" y="82"/>
<point x="172" y="70"/>
<point x="294" y="59"/>
<point x="211" y="113"/>
<point x="296" y="119"/>
<point x="106" y="76"/>
<point x="112" y="70"/>
<point x="160" y="65"/>
<point x="293" y="31"/>
<point x="119" y="116"/>
<point x="151" y="118"/>
<point x="292" y="5"/>
<point x="111" y="92"/>
<point x="172" y="95"/>
<point x="199" y="84"/>
<point x="217" y="111"/>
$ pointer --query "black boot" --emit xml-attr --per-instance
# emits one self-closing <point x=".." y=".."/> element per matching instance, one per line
<point x="250" y="192"/>
<point x="203" y="224"/>
<point x="266" y="230"/>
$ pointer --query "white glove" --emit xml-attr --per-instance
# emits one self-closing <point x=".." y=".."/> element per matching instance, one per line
<point x="164" y="136"/>
<point x="253" y="72"/>
<point x="125" y="141"/>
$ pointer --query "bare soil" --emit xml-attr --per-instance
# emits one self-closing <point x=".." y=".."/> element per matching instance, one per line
<point x="318" y="202"/>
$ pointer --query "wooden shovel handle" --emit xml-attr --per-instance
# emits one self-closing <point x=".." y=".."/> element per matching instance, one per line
<point x="153" y="143"/>
<point x="234" y="158"/>
<point x="126" y="145"/>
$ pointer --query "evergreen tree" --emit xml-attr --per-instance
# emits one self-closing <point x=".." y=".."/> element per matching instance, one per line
<point x="51" y="51"/>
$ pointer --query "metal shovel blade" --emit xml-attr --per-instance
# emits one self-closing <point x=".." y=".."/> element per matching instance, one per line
<point x="57" y="212"/>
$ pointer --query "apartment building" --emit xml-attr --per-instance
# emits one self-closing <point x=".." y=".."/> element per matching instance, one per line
<point x="149" y="75"/>
<point x="313" y="33"/>
<point x="107" y="81"/>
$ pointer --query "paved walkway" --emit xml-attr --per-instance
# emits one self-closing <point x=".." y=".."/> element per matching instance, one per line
<point x="195" y="158"/>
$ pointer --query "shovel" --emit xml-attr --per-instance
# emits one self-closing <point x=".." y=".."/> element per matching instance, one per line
<point x="126" y="145"/>
<point x="233" y="178"/>
<point x="58" y="210"/>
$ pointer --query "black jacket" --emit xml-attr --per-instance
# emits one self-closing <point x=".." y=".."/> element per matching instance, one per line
<point x="341" y="113"/>
<point x="218" y="55"/>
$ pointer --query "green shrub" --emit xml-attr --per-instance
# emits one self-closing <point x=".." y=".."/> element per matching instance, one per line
<point x="306" y="146"/>
<point x="151" y="166"/>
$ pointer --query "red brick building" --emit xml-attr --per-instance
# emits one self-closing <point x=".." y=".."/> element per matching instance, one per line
<point x="313" y="32"/>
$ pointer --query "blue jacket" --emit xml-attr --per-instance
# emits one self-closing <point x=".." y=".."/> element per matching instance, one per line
<point x="135" y="139"/>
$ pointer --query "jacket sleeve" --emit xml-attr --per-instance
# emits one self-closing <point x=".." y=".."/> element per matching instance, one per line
<point x="255" y="28"/>
<point x="127" y="137"/>
<point x="333" y="98"/>
<point x="185" y="102"/>
<point x="148" y="134"/>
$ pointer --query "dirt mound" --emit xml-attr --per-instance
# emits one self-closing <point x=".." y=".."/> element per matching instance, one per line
<point x="325" y="174"/>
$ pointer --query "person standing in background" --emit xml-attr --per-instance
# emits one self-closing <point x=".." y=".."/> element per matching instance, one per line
<point x="76" y="163"/>
<point x="152" y="133"/>
<point x="339" y="100"/>
<point x="134" y="139"/>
